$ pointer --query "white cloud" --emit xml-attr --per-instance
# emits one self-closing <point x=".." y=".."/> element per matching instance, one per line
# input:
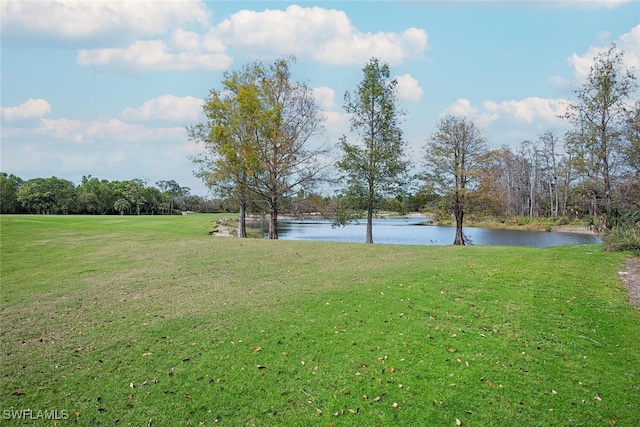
<point x="336" y="122"/>
<point x="461" y="107"/>
<point x="408" y="88"/>
<point x="81" y="19"/>
<point x="112" y="131"/>
<point x="158" y="55"/>
<point x="30" y="109"/>
<point x="325" y="97"/>
<point x="629" y="43"/>
<point x="532" y="110"/>
<point x="324" y="35"/>
<point x="166" y="108"/>
<point x="529" y="109"/>
<point x="359" y="47"/>
<point x="159" y="35"/>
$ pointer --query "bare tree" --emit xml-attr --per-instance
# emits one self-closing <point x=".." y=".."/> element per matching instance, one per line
<point x="287" y="159"/>
<point x="598" y="117"/>
<point x="549" y="142"/>
<point x="632" y="136"/>
<point x="454" y="154"/>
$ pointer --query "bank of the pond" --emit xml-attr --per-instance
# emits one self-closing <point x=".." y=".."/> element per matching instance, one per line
<point x="522" y="223"/>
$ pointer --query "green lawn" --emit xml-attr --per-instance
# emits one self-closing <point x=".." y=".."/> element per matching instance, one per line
<point x="150" y="321"/>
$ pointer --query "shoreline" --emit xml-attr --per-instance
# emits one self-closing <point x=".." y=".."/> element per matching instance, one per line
<point x="573" y="229"/>
<point x="224" y="230"/>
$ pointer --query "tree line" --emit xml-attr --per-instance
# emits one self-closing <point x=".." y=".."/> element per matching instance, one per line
<point x="258" y="140"/>
<point x="94" y="196"/>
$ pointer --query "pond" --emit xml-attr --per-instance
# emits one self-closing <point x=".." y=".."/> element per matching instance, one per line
<point x="410" y="231"/>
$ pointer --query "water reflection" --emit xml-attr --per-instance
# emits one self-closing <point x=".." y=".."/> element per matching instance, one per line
<point x="411" y="232"/>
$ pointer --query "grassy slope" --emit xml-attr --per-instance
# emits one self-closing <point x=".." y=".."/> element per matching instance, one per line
<point x="149" y="319"/>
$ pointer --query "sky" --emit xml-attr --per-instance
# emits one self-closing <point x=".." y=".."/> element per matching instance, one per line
<point x="107" y="88"/>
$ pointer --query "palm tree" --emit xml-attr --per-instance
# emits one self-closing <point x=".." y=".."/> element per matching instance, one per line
<point x="121" y="205"/>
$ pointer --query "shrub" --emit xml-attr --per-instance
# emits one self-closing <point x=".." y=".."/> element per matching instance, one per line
<point x="622" y="238"/>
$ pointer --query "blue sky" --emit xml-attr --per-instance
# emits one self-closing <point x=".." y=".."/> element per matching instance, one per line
<point x="106" y="88"/>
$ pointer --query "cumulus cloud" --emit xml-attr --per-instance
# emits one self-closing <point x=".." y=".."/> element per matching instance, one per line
<point x="178" y="35"/>
<point x="408" y="88"/>
<point x="82" y="19"/>
<point x="528" y="109"/>
<point x="188" y="52"/>
<point x="166" y="108"/>
<point x="532" y="110"/>
<point x="30" y="109"/>
<point x="324" y="35"/>
<point x="463" y="107"/>
<point x="325" y="97"/>
<point x="629" y="43"/>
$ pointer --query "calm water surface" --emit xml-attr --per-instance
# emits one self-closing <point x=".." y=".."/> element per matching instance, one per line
<point x="410" y="232"/>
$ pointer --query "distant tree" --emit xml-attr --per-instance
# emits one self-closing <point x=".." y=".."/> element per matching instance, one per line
<point x="549" y="151"/>
<point x="192" y="203"/>
<point x="454" y="154"/>
<point x="152" y="199"/>
<point x="104" y="195"/>
<point x="530" y="153"/>
<point x="48" y="196"/>
<point x="598" y="118"/>
<point x="132" y="190"/>
<point x="65" y="195"/>
<point x="88" y="203"/>
<point x="375" y="167"/>
<point x="171" y="191"/>
<point x="121" y="205"/>
<point x="9" y="186"/>
<point x="632" y="136"/>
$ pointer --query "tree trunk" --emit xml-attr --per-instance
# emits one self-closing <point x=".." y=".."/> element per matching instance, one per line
<point x="552" y="210"/>
<point x="242" y="223"/>
<point x="459" y="240"/>
<point x="369" y="234"/>
<point x="607" y="189"/>
<point x="555" y="182"/>
<point x="273" y="218"/>
<point x="458" y="212"/>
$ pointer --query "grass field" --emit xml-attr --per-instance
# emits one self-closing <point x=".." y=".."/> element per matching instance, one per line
<point x="150" y="321"/>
